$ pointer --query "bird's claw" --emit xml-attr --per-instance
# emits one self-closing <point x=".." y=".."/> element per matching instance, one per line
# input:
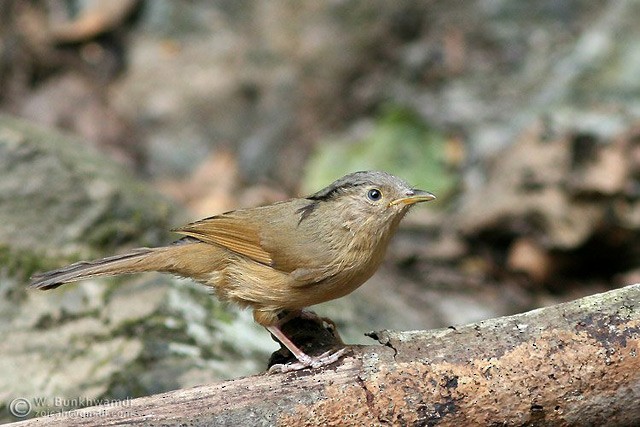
<point x="326" y="358"/>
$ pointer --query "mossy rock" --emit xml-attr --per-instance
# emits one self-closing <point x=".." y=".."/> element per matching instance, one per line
<point x="61" y="199"/>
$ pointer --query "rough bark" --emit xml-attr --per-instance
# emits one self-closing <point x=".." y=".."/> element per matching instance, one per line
<point x="570" y="364"/>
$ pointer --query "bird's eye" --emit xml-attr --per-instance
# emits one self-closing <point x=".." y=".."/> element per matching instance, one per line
<point x="374" y="194"/>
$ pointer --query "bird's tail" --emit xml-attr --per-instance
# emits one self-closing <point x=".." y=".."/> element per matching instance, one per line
<point x="136" y="261"/>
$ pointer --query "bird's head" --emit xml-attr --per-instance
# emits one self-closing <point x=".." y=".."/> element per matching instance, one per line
<point x="371" y="200"/>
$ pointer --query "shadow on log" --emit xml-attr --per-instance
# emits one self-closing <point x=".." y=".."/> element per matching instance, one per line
<point x="576" y="363"/>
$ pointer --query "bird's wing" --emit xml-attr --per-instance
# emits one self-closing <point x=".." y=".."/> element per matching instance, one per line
<point x="272" y="235"/>
<point x="232" y="231"/>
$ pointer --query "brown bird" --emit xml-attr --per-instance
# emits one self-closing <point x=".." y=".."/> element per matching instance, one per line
<point x="279" y="258"/>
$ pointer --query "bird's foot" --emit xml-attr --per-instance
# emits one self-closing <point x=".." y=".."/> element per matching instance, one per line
<point x="306" y="361"/>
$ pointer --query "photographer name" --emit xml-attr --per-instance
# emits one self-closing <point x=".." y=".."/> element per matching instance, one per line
<point x="77" y="402"/>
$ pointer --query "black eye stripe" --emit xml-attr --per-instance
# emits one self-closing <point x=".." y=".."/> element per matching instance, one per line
<point x="374" y="194"/>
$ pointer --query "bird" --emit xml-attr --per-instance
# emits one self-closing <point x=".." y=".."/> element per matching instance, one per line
<point x="280" y="258"/>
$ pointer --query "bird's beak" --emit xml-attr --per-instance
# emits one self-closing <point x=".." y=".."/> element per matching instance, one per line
<point x="413" y="196"/>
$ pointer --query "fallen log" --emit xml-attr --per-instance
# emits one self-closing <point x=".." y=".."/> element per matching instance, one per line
<point x="576" y="363"/>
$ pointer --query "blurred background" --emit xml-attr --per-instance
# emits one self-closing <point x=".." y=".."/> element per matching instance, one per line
<point x="120" y="120"/>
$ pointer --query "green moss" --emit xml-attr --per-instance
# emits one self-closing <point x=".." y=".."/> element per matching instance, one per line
<point x="400" y="142"/>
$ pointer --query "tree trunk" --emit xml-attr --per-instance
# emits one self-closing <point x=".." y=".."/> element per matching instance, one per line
<point x="576" y="363"/>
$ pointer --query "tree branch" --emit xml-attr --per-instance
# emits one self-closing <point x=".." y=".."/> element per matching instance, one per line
<point x="576" y="363"/>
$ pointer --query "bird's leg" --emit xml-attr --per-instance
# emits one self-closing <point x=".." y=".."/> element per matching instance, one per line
<point x="304" y="360"/>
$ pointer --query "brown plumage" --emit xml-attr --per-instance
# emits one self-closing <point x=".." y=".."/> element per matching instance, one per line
<point x="280" y="257"/>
